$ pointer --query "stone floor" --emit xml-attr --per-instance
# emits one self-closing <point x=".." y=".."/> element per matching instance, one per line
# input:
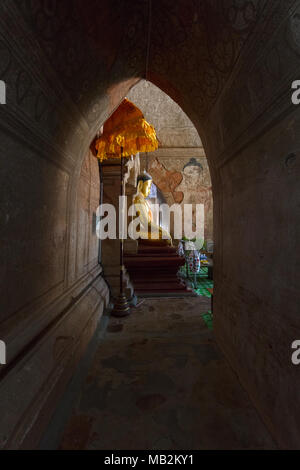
<point x="158" y="381"/>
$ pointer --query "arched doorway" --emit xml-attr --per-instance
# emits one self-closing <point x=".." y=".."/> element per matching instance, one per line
<point x="229" y="67"/>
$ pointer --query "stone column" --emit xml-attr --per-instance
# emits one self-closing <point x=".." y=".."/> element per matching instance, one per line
<point x="111" y="248"/>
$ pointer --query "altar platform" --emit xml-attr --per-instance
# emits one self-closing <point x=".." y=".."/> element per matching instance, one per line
<point x="153" y="272"/>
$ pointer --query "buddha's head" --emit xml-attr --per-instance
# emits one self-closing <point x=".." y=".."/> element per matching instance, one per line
<point x="144" y="182"/>
<point x="193" y="172"/>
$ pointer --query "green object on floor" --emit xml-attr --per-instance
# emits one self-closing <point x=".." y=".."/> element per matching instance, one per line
<point x="200" y="281"/>
<point x="208" y="319"/>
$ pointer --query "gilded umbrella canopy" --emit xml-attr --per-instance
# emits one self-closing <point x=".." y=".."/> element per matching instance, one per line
<point x="126" y="133"/>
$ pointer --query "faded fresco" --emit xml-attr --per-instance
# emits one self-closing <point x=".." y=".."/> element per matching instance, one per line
<point x="179" y="167"/>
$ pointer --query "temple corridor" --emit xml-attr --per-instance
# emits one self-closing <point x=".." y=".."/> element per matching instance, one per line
<point x="232" y="68"/>
<point x="157" y="380"/>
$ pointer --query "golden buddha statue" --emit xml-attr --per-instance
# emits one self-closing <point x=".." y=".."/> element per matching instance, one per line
<point x="150" y="232"/>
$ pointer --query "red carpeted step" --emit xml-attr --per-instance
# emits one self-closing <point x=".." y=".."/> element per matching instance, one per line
<point x="156" y="250"/>
<point x="136" y="261"/>
<point x="153" y="270"/>
<point x="160" y="285"/>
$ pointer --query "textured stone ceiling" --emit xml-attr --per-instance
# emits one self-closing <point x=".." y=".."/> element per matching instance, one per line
<point x="172" y="125"/>
<point x="193" y="44"/>
<point x="197" y="50"/>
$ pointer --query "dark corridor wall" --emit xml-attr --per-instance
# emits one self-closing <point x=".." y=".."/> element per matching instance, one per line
<point x="67" y="65"/>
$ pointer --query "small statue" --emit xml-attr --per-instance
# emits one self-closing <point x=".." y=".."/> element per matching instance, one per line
<point x="150" y="233"/>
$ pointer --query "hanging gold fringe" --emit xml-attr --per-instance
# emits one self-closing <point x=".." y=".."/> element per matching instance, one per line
<point x="128" y="129"/>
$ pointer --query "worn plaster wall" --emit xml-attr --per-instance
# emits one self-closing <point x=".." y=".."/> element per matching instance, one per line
<point x="179" y="167"/>
<point x="88" y="201"/>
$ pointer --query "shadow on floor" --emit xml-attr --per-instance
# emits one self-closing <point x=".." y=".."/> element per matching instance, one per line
<point x="157" y="380"/>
